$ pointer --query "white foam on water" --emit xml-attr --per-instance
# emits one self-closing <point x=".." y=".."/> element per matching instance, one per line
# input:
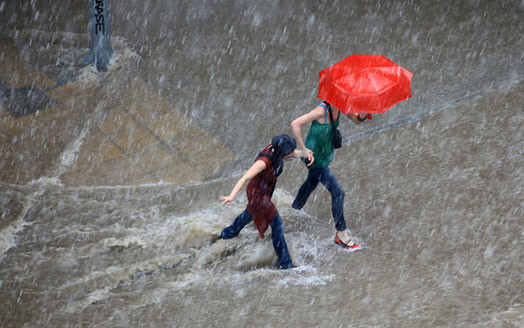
<point x="175" y="186"/>
<point x="9" y="233"/>
<point x="240" y="261"/>
<point x="282" y="198"/>
<point x="188" y="250"/>
<point x="43" y="182"/>
<point x="67" y="158"/>
<point x="247" y="257"/>
<point x="122" y="54"/>
<point x="307" y="276"/>
<point x="69" y="154"/>
<point x="87" y="74"/>
<point x="512" y="317"/>
<point x="112" y="277"/>
<point x="167" y="242"/>
<point x="188" y="242"/>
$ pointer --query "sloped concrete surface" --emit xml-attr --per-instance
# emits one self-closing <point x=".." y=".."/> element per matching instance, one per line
<point x="130" y="134"/>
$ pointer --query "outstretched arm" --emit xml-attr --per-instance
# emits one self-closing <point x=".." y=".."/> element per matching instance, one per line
<point x="296" y="125"/>
<point x="255" y="169"/>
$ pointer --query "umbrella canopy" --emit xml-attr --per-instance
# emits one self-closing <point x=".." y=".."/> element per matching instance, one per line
<point x="364" y="84"/>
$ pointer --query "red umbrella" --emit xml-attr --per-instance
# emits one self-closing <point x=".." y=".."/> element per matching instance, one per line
<point x="364" y="84"/>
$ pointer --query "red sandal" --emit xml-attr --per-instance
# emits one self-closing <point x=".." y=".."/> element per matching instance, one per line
<point x="343" y="244"/>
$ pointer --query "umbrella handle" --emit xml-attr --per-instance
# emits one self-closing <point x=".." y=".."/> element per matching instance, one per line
<point x="369" y="117"/>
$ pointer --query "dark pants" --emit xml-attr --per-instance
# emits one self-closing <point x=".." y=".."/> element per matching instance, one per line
<point x="277" y="229"/>
<point x="327" y="178"/>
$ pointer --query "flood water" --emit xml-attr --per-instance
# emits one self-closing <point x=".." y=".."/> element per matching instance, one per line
<point x="433" y="187"/>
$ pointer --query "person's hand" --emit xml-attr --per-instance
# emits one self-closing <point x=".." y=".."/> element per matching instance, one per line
<point x="308" y="154"/>
<point x="364" y="116"/>
<point x="226" y="200"/>
<point x="359" y="117"/>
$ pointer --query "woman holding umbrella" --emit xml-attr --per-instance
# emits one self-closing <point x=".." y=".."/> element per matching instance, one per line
<point x="320" y="151"/>
<point x="355" y="85"/>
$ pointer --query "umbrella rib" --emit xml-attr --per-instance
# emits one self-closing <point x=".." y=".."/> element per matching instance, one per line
<point x="376" y="91"/>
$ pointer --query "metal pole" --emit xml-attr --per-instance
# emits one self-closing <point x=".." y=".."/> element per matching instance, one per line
<point x="100" y="49"/>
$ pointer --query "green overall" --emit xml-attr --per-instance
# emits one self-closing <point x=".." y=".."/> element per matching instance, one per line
<point x="318" y="140"/>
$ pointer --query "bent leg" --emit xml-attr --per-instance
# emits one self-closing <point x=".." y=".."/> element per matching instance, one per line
<point x="327" y="178"/>
<point x="306" y="189"/>
<point x="237" y="225"/>
<point x="279" y="243"/>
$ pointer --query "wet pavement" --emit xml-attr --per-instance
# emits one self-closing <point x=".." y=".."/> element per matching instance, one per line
<point x="132" y="127"/>
<point x="90" y="237"/>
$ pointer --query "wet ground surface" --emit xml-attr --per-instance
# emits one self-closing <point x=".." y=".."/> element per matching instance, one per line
<point x="109" y="180"/>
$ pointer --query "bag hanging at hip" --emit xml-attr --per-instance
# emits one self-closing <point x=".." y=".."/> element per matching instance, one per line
<point x="336" y="136"/>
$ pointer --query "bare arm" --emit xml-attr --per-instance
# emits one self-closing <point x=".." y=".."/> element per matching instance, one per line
<point x="296" y="125"/>
<point x="255" y="169"/>
<point x="298" y="153"/>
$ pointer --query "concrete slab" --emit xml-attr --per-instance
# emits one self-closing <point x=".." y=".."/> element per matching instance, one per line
<point x="31" y="145"/>
<point x="153" y="111"/>
<point x="126" y="133"/>
<point x="118" y="171"/>
<point x="156" y="157"/>
<point x="121" y="128"/>
<point x="97" y="148"/>
<point x="179" y="173"/>
<point x="144" y="130"/>
<point x="17" y="73"/>
<point x="204" y="153"/>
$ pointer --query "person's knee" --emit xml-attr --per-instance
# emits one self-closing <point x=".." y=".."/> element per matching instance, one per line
<point x="277" y="226"/>
<point x="277" y="229"/>
<point x="338" y="193"/>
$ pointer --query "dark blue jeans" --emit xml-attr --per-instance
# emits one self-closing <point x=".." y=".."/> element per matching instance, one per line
<point x="277" y="229"/>
<point x="327" y="178"/>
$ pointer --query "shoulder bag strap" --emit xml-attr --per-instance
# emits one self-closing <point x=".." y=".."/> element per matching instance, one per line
<point x="333" y="128"/>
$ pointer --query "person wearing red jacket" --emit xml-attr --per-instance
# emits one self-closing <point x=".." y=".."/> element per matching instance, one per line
<point x="262" y="177"/>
